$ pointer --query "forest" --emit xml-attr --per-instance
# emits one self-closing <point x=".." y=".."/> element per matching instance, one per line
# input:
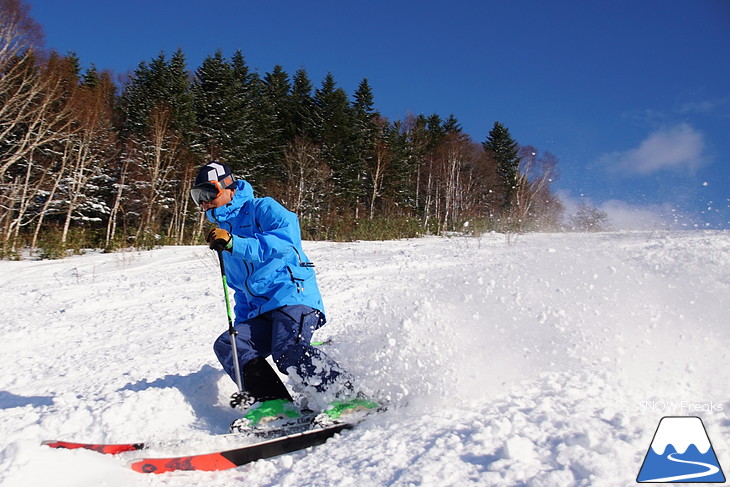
<point x="93" y="160"/>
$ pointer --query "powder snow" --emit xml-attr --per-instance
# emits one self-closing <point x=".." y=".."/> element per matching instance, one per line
<point x="538" y="359"/>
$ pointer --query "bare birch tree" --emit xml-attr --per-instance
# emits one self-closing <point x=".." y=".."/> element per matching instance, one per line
<point x="161" y="151"/>
<point x="91" y="136"/>
<point x="119" y="186"/>
<point x="34" y="114"/>
<point x="534" y="203"/>
<point x="379" y="164"/>
<point x="308" y="178"/>
<point x="34" y="109"/>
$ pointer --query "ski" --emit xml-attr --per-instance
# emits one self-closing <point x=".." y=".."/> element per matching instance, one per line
<point x="117" y="448"/>
<point x="106" y="448"/>
<point x="222" y="460"/>
<point x="272" y="441"/>
<point x="302" y="424"/>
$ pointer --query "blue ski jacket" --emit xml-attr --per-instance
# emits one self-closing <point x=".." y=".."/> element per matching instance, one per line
<point x="266" y="267"/>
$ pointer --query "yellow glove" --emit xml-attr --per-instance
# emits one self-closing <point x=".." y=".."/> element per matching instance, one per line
<point x="219" y="240"/>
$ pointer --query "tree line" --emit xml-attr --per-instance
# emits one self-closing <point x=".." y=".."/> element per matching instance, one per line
<point x="85" y="162"/>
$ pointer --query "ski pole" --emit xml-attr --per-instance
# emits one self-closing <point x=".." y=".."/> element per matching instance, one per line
<point x="237" y="397"/>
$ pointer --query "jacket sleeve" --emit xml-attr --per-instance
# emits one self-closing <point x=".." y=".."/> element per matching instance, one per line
<point x="276" y="234"/>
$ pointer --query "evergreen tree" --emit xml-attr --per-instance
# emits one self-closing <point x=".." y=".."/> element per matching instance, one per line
<point x="161" y="85"/>
<point x="451" y="125"/>
<point x="277" y="90"/>
<point x="404" y="183"/>
<point x="214" y="90"/>
<point x="73" y="66"/>
<point x="364" y="101"/>
<point x="181" y="96"/>
<point x="401" y="184"/>
<point x="334" y="135"/>
<point x="261" y="153"/>
<point x="301" y="108"/>
<point x="275" y="104"/>
<point x="158" y="129"/>
<point x="369" y="140"/>
<point x="224" y="114"/>
<point x="91" y="77"/>
<point x="410" y="142"/>
<point x="366" y="125"/>
<point x="503" y="149"/>
<point x="435" y="130"/>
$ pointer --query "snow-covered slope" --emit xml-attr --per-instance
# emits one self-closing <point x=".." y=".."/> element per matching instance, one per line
<point x="542" y="360"/>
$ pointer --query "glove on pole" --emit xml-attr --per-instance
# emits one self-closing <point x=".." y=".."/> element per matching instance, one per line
<point x="238" y="397"/>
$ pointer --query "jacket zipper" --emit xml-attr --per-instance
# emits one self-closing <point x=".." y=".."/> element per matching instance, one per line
<point x="299" y="258"/>
<point x="249" y="272"/>
<point x="295" y="280"/>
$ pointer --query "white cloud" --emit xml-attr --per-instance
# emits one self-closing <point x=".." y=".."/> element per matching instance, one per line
<point x="676" y="148"/>
<point x="716" y="105"/>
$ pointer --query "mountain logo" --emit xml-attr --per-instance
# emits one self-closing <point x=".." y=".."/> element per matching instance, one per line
<point x="680" y="452"/>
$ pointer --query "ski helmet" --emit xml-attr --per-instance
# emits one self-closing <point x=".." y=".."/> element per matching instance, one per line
<point x="212" y="179"/>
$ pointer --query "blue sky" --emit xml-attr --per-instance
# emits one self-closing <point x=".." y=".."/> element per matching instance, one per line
<point x="633" y="97"/>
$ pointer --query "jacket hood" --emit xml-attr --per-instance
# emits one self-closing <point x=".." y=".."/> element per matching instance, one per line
<point x="243" y="194"/>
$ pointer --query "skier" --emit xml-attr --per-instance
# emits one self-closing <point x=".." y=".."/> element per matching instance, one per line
<point x="278" y="305"/>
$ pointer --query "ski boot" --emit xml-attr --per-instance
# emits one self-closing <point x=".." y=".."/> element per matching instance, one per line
<point x="272" y="415"/>
<point x="346" y="410"/>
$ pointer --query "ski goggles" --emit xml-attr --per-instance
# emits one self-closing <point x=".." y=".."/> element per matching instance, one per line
<point x="206" y="192"/>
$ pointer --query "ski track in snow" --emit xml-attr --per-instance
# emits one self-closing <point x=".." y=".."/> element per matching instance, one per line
<point x="520" y="361"/>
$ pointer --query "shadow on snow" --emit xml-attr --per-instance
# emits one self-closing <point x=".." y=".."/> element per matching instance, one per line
<point x="200" y="390"/>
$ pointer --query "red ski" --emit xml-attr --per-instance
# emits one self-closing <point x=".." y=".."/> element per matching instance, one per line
<point x="223" y="460"/>
<point x="116" y="448"/>
<point x="108" y="449"/>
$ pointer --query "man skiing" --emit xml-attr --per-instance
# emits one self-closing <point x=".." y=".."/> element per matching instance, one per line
<point x="278" y="305"/>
